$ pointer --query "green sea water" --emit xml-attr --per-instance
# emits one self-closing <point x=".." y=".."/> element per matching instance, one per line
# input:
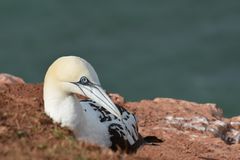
<point x="141" y="49"/>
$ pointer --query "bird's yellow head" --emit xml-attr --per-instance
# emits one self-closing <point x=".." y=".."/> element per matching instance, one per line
<point x="74" y="75"/>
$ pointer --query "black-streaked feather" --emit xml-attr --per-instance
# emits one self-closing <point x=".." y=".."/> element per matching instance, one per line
<point x="121" y="130"/>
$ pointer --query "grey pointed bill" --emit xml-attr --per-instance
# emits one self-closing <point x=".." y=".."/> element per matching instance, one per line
<point x="97" y="94"/>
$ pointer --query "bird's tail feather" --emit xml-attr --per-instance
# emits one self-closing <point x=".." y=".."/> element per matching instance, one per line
<point x="152" y="140"/>
<point x="148" y="140"/>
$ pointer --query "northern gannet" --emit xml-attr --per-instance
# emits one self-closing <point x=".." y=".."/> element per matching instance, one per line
<point x="97" y="119"/>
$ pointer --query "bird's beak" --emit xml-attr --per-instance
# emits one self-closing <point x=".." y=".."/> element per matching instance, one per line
<point x="97" y="94"/>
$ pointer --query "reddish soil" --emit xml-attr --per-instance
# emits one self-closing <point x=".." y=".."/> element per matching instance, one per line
<point x="27" y="133"/>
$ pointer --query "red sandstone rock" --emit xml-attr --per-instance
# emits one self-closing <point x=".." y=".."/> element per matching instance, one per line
<point x="10" y="79"/>
<point x="191" y="131"/>
<point x="117" y="99"/>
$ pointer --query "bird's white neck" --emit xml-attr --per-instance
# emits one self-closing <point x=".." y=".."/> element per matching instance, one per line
<point x="62" y="108"/>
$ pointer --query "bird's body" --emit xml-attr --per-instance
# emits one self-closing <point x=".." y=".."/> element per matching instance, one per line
<point x="96" y="119"/>
<point x="109" y="130"/>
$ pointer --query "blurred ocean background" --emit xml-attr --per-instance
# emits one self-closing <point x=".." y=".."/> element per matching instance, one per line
<point x="141" y="49"/>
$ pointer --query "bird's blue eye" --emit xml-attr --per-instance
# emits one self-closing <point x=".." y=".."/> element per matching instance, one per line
<point x="84" y="80"/>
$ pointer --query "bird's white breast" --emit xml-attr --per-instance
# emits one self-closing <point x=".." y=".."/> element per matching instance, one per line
<point x="67" y="112"/>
